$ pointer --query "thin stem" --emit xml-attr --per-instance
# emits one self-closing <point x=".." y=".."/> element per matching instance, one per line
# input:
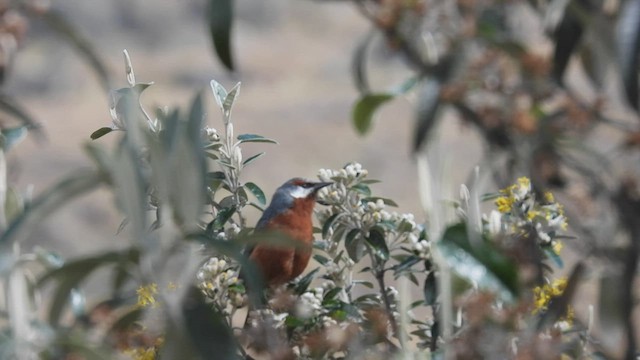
<point x="385" y="299"/>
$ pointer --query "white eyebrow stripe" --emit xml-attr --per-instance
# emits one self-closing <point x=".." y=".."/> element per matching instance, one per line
<point x="299" y="192"/>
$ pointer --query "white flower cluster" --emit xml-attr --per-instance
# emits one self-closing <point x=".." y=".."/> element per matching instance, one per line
<point x="267" y="316"/>
<point x="220" y="284"/>
<point x="211" y="134"/>
<point x="309" y="304"/>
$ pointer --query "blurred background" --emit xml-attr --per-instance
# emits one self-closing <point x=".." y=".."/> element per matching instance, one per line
<point x="293" y="59"/>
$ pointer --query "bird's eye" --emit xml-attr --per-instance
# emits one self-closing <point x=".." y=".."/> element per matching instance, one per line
<point x="307" y="185"/>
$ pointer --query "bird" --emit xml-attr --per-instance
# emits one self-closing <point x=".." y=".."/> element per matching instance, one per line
<point x="290" y="212"/>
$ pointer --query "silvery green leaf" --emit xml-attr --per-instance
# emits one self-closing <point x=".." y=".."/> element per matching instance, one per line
<point x="245" y="138"/>
<point x="12" y="136"/>
<point x="227" y="105"/>
<point x="219" y="93"/>
<point x="128" y="69"/>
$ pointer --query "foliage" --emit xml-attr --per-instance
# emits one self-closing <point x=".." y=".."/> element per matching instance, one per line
<point x="382" y="283"/>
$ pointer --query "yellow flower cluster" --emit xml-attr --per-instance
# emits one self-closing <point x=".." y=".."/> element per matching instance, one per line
<point x="544" y="294"/>
<point x="512" y="194"/>
<point x="142" y="353"/>
<point x="146" y="295"/>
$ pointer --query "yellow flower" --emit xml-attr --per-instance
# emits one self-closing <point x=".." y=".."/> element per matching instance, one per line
<point x="504" y="204"/>
<point x="549" y="198"/>
<point x="532" y="214"/>
<point x="146" y="295"/>
<point x="544" y="294"/>
<point x="557" y="247"/>
<point x="524" y="182"/>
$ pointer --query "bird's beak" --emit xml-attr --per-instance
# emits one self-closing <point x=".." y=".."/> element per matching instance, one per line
<point x="320" y="185"/>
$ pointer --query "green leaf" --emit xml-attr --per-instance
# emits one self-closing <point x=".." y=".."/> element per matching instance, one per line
<point x="223" y="216"/>
<point x="12" y="136"/>
<point x="100" y="132"/>
<point x="327" y="225"/>
<point x="303" y="284"/>
<point x="353" y="244"/>
<point x="331" y="294"/>
<point x="322" y="260"/>
<point x="362" y="189"/>
<point x="480" y="264"/>
<point x="257" y="192"/>
<point x="57" y="22"/>
<point x="628" y="41"/>
<point x="430" y="289"/>
<point x="252" y="159"/>
<point x="378" y="244"/>
<point x="365" y="108"/>
<point x="219" y="93"/>
<point x="220" y="24"/>
<point x="245" y="138"/>
<point x="426" y="110"/>
<point x="227" y="105"/>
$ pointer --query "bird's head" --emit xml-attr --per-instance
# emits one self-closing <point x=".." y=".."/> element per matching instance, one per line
<point x="298" y="188"/>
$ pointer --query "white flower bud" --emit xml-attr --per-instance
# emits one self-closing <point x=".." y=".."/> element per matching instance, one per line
<point x="495" y="222"/>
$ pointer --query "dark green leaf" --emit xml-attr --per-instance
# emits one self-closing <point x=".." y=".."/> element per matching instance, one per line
<point x="303" y="284"/>
<point x="100" y="132"/>
<point x="322" y="260"/>
<point x="430" y="289"/>
<point x="365" y="108"/>
<point x="245" y="138"/>
<point x="252" y="159"/>
<point x="480" y="264"/>
<point x="628" y="46"/>
<point x="327" y="225"/>
<point x="63" y="27"/>
<point x="331" y="294"/>
<point x="366" y="284"/>
<point x="353" y="244"/>
<point x="220" y="24"/>
<point x="223" y="216"/>
<point x="378" y="244"/>
<point x="257" y="192"/>
<point x="428" y="103"/>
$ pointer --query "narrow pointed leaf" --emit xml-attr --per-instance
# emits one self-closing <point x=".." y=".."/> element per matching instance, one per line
<point x="359" y="63"/>
<point x="220" y="24"/>
<point x="244" y="138"/>
<point x="428" y="101"/>
<point x="327" y="225"/>
<point x="252" y="159"/>
<point x="100" y="132"/>
<point x="353" y="244"/>
<point x="230" y="99"/>
<point x="566" y="36"/>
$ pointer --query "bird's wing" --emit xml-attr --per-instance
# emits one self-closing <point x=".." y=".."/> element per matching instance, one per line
<point x="268" y="214"/>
